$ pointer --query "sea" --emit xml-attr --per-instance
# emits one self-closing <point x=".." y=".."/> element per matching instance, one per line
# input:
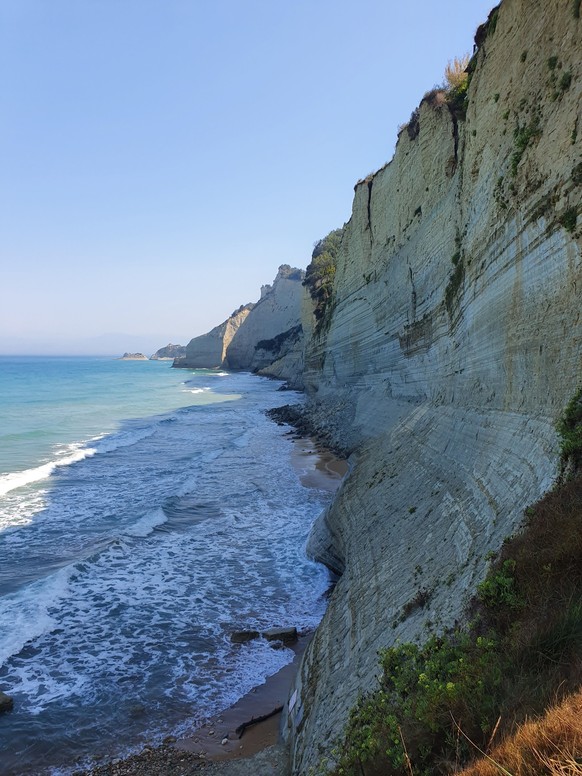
<point x="146" y="513"/>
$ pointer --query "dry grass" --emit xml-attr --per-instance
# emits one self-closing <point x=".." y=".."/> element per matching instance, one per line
<point x="551" y="745"/>
<point x="456" y="72"/>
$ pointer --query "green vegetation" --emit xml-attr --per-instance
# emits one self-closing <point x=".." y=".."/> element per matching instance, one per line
<point x="576" y="8"/>
<point x="569" y="428"/>
<point x="565" y="81"/>
<point x="456" y="84"/>
<point x="577" y="174"/>
<point x="492" y="21"/>
<point x="522" y="137"/>
<point x="568" y="219"/>
<point x="523" y="56"/>
<point x="552" y="62"/>
<point x="320" y="274"/>
<point x="499" y="588"/>
<point x="520" y="651"/>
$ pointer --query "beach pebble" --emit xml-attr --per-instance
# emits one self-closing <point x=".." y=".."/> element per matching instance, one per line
<point x="224" y="741"/>
<point x="211" y="732"/>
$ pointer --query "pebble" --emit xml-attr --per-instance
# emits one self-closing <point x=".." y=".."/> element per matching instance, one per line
<point x="224" y="741"/>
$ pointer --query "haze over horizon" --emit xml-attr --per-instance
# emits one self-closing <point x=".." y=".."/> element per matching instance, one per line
<point x="161" y="161"/>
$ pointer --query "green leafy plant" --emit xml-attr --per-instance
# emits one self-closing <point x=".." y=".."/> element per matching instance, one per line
<point x="492" y="25"/>
<point x="569" y="428"/>
<point x="498" y="589"/>
<point x="456" y="85"/>
<point x="522" y="137"/>
<point x="566" y="81"/>
<point x="320" y="274"/>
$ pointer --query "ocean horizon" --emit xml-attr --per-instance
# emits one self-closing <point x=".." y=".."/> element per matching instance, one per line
<point x="145" y="514"/>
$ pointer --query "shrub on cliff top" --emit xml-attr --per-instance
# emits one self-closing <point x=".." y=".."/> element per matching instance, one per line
<point x="456" y="85"/>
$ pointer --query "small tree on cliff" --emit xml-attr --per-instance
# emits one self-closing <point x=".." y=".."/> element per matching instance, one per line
<point x="320" y="272"/>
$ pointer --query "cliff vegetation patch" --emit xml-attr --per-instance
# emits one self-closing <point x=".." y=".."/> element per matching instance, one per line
<point x="522" y="137"/>
<point x="457" y="79"/>
<point x="320" y="274"/>
<point x="442" y="704"/>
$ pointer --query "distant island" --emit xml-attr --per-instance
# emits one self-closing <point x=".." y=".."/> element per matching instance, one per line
<point x="133" y="357"/>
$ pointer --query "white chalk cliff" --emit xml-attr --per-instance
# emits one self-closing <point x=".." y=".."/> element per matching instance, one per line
<point x="257" y="335"/>
<point x="277" y="312"/>
<point x="208" y="351"/>
<point x="453" y="343"/>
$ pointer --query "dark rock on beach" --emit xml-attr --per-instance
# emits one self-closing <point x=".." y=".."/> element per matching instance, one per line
<point x="286" y="635"/>
<point x="6" y="702"/>
<point x="242" y="636"/>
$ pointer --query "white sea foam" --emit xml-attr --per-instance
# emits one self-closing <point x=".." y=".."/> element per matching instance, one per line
<point x="108" y="444"/>
<point x="15" y="480"/>
<point x="197" y="390"/>
<point x="25" y="616"/>
<point x="145" y="525"/>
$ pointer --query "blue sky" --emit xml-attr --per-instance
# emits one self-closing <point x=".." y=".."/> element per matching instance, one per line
<point x="161" y="158"/>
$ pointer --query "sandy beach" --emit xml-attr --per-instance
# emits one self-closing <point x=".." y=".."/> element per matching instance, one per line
<point x="217" y="747"/>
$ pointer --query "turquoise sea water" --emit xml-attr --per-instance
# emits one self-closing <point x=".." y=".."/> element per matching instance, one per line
<point x="145" y="513"/>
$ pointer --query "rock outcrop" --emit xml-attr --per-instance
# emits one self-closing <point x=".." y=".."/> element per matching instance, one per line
<point x="265" y="337"/>
<point x="277" y="312"/>
<point x="133" y="357"/>
<point x="169" y="352"/>
<point x="452" y="345"/>
<point x="208" y="351"/>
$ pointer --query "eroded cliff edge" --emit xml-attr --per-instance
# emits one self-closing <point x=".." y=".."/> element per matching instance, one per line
<point x="452" y="344"/>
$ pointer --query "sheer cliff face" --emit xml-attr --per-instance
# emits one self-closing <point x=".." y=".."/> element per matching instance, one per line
<point x="208" y="351"/>
<point x="454" y="343"/>
<point x="265" y="336"/>
<point x="277" y="311"/>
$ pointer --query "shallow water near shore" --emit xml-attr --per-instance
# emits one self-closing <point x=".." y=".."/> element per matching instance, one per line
<point x="145" y="513"/>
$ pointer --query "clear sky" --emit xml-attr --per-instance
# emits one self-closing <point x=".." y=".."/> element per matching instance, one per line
<point x="159" y="159"/>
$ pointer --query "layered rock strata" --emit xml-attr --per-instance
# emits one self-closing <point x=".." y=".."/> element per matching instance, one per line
<point x="277" y="312"/>
<point x="208" y="351"/>
<point x="266" y="336"/>
<point x="452" y="345"/>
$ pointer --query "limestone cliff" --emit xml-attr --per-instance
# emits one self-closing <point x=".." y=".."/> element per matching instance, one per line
<point x="452" y="345"/>
<point x="208" y="351"/>
<point x="265" y="337"/>
<point x="277" y="311"/>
